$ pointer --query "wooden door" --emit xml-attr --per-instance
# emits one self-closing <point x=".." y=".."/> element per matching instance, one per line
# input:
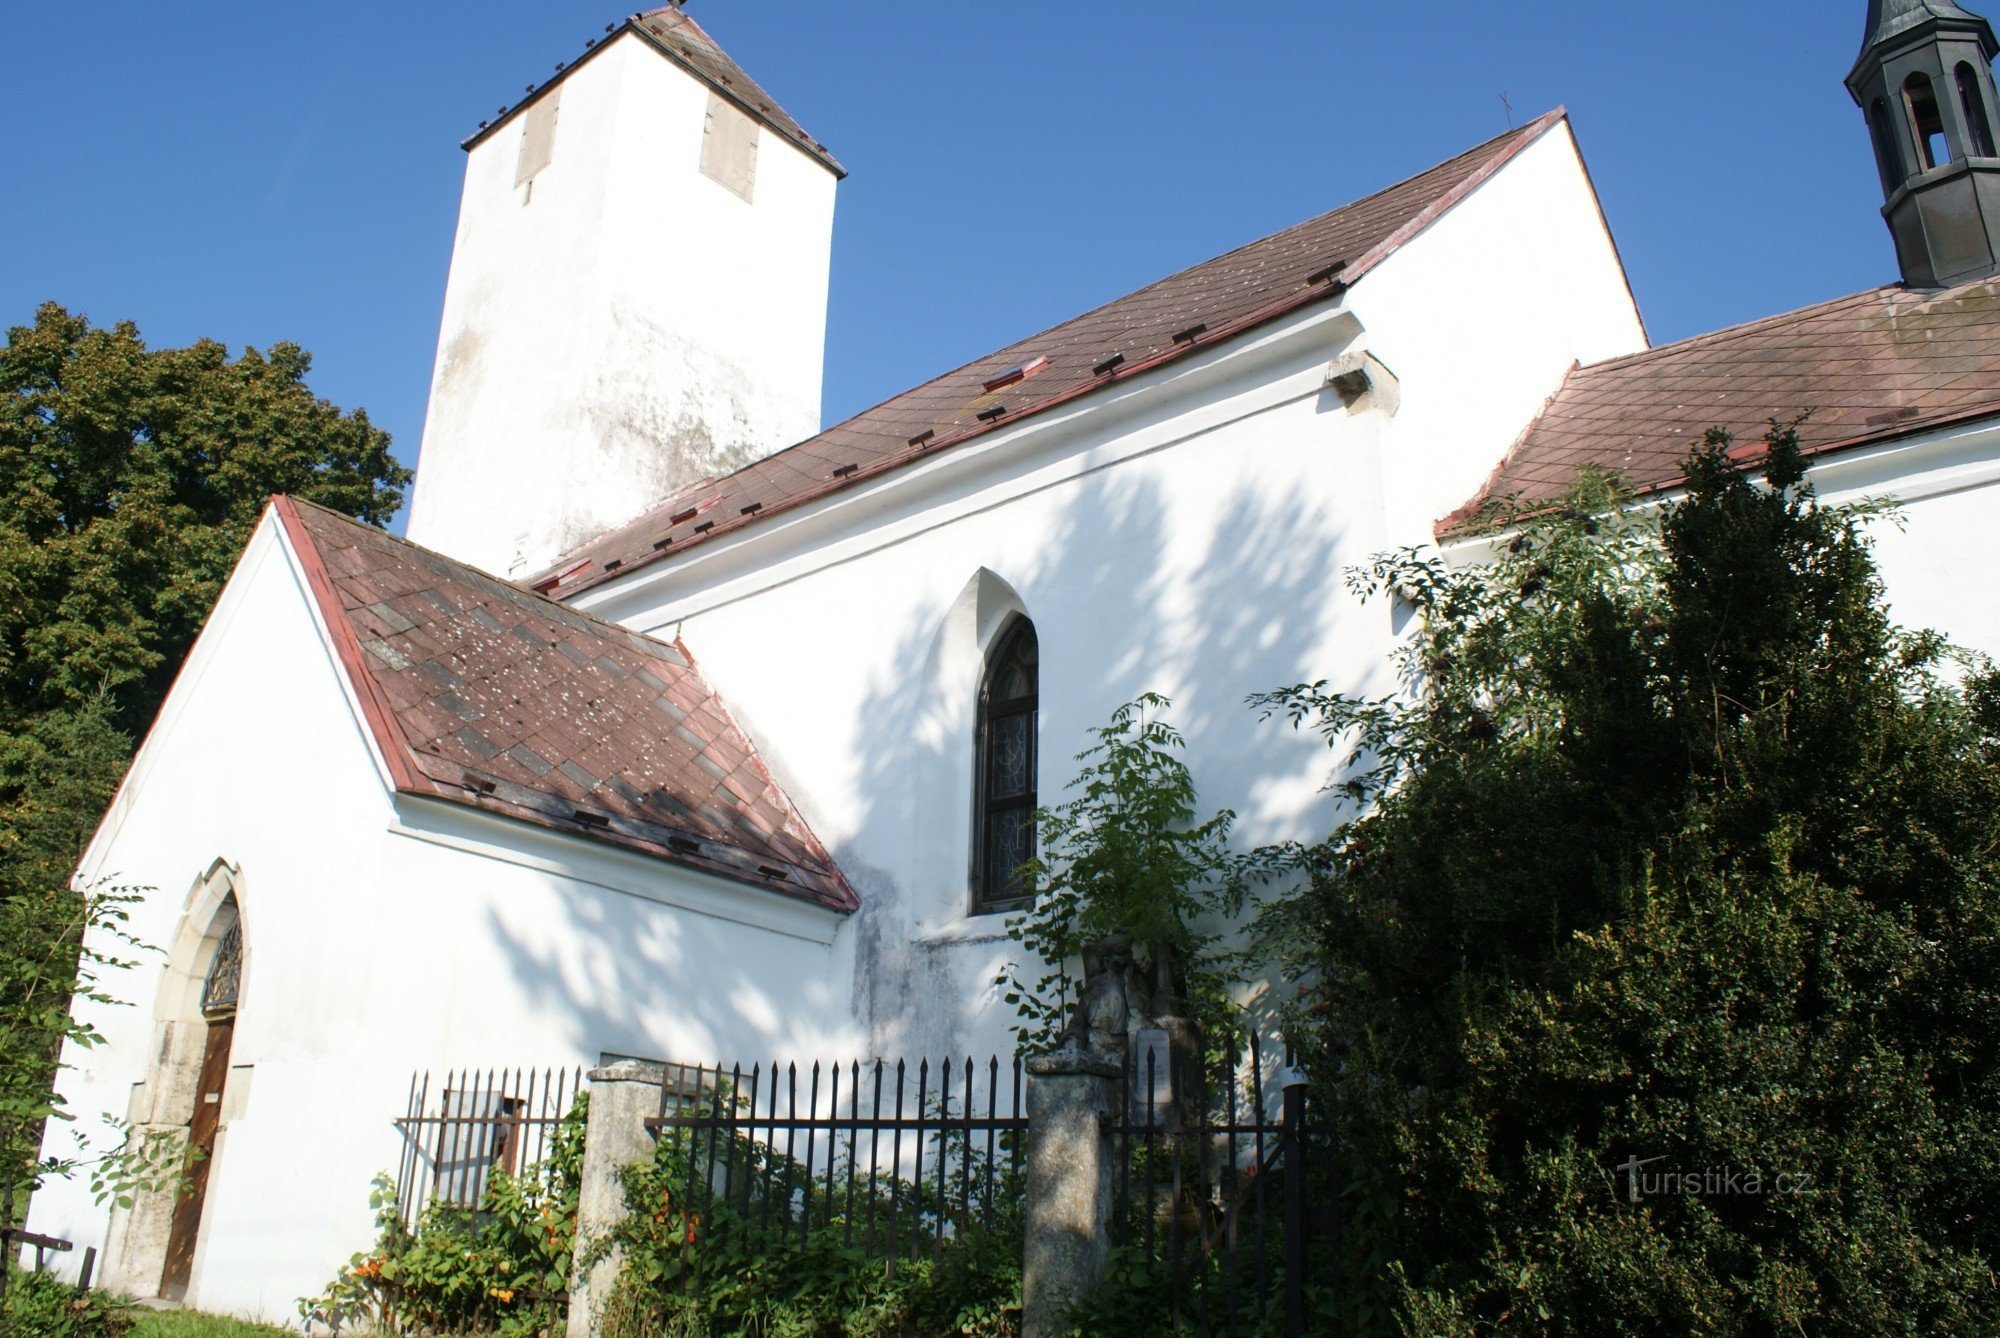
<point x="201" y="1135"/>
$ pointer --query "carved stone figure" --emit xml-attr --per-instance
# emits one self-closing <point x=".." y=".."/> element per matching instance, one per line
<point x="1102" y="1019"/>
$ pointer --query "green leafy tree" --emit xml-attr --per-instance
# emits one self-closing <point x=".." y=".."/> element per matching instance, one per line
<point x="1677" y="849"/>
<point x="130" y="478"/>
<point x="1126" y="856"/>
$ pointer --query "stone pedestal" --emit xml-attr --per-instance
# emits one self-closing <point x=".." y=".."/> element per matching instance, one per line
<point x="622" y="1098"/>
<point x="1069" y="1185"/>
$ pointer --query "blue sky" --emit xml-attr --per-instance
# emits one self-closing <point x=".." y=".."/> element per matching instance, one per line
<point x="257" y="172"/>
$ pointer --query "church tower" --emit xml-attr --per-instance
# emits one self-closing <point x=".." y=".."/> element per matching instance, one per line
<point x="637" y="298"/>
<point x="1925" y="81"/>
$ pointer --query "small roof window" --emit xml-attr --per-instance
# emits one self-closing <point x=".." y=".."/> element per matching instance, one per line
<point x="1018" y="372"/>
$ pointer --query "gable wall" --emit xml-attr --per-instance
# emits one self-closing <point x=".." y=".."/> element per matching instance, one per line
<point x="1483" y="315"/>
<point x="382" y="936"/>
<point x="256" y="760"/>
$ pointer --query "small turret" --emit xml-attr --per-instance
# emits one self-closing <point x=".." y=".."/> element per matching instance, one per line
<point x="1925" y="80"/>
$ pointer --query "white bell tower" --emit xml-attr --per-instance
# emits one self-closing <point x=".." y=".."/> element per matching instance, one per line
<point x="637" y="298"/>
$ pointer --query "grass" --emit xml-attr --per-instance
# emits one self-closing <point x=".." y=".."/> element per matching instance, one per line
<point x="189" y="1324"/>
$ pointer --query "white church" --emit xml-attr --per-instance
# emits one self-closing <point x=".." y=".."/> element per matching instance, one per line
<point x="685" y="727"/>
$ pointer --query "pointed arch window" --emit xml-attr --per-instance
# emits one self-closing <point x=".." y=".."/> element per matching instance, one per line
<point x="1972" y="101"/>
<point x="1887" y="153"/>
<point x="1004" y="814"/>
<point x="224" y="984"/>
<point x="1926" y="119"/>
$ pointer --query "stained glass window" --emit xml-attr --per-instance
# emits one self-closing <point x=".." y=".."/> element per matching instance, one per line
<point x="225" y="973"/>
<point x="1005" y="816"/>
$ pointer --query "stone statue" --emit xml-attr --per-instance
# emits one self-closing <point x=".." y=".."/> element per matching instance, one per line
<point x="1102" y="1019"/>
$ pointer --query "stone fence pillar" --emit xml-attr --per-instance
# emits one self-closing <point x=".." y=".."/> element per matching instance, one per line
<point x="1069" y="1185"/>
<point x="623" y="1097"/>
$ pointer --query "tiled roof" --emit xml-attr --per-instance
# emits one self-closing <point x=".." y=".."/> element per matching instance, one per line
<point x="671" y="32"/>
<point x="1890" y="19"/>
<point x="1880" y="364"/>
<point x="1189" y="311"/>
<point x="484" y="694"/>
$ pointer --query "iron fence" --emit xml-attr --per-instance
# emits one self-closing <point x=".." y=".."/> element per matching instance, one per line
<point x="460" y="1129"/>
<point x="874" y="1157"/>
<point x="1223" y="1191"/>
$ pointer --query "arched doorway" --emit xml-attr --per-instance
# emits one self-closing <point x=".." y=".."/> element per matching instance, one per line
<point x="221" y="985"/>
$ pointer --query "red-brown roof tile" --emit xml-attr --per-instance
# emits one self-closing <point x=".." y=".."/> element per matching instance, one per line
<point x="1194" y="309"/>
<point x="673" y="34"/>
<point x="484" y="694"/>
<point x="1867" y="368"/>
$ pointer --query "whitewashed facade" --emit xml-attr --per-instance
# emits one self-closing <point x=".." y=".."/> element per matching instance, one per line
<point x="1184" y="531"/>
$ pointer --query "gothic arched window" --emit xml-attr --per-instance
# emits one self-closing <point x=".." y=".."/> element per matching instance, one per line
<point x="220" y="990"/>
<point x="1888" y="152"/>
<point x="1973" y="103"/>
<point x="1004" y="813"/>
<point x="1926" y="120"/>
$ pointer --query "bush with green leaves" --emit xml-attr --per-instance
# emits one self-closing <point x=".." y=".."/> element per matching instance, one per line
<point x="57" y="946"/>
<point x="39" y="1305"/>
<point x="501" y="1266"/>
<point x="1126" y="855"/>
<point x="729" y="1237"/>
<point x="1658" y="988"/>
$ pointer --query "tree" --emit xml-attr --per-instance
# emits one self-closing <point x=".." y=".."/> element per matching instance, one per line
<point x="1125" y="861"/>
<point x="1658" y="987"/>
<point x="130" y="479"/>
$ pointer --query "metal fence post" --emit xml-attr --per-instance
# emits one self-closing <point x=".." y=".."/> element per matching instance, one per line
<point x="1068" y="1208"/>
<point x="1295" y="1202"/>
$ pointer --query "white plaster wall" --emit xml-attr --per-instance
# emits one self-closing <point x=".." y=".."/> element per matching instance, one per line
<point x="255" y="759"/>
<point x="1482" y="315"/>
<point x="1935" y="550"/>
<point x="532" y="947"/>
<point x="1205" y="571"/>
<point x="1188" y="534"/>
<point x="383" y="936"/>
<point x="1940" y="566"/>
<point x="623" y="326"/>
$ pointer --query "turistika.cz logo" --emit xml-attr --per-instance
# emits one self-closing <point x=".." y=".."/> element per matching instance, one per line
<point x="1706" y="1182"/>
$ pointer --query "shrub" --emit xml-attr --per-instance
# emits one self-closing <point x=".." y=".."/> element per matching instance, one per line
<point x="502" y="1266"/>
<point x="777" y="1252"/>
<point x="1125" y="857"/>
<point x="1659" y="985"/>
<point x="39" y="1305"/>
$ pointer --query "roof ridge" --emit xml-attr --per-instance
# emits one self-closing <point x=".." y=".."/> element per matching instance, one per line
<point x="768" y="113"/>
<point x="1739" y="328"/>
<point x="511" y="589"/>
<point x="1524" y="134"/>
<point x="1534" y="126"/>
